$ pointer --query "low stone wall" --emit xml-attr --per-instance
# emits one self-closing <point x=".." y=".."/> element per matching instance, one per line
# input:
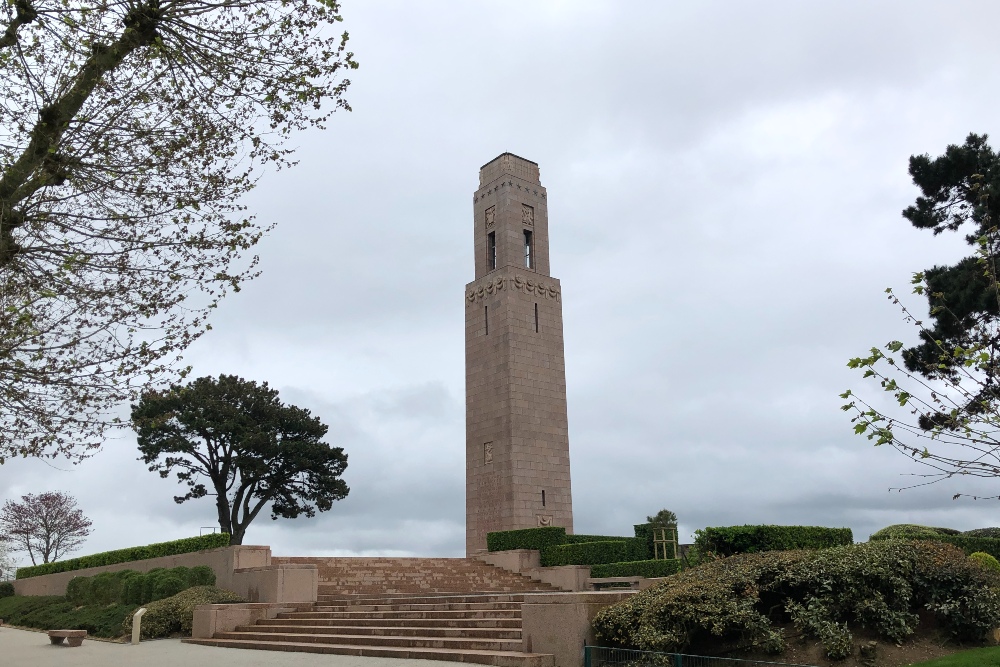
<point x="562" y="623"/>
<point x="529" y="563"/>
<point x="277" y="583"/>
<point x="224" y="562"/>
<point x="212" y="618"/>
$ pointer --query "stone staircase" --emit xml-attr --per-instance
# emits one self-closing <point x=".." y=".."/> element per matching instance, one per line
<point x="419" y="608"/>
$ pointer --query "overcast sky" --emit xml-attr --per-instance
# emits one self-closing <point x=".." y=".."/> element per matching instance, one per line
<point x="725" y="183"/>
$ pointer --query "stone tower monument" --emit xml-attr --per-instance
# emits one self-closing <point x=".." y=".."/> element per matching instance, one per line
<point x="517" y="441"/>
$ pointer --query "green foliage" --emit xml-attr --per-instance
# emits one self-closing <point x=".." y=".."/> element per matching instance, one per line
<point x="983" y="532"/>
<point x="135" y="588"/>
<point x="968" y="543"/>
<point x="175" y="614"/>
<point x="637" y="568"/>
<point x="581" y="539"/>
<point x="255" y="450"/>
<point x="910" y="531"/>
<point x="730" y="540"/>
<point x="739" y="601"/>
<point x="56" y="612"/>
<point x="644" y="531"/>
<point x="662" y="519"/>
<point x="6" y="589"/>
<point x="527" y="538"/>
<point x="985" y="560"/>
<point x="594" y="553"/>
<point x="187" y="545"/>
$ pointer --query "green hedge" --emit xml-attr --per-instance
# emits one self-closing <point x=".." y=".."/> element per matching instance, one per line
<point x="637" y="568"/>
<point x="527" y="538"/>
<point x="582" y="539"/>
<point x="911" y="531"/>
<point x="50" y="612"/>
<point x="135" y="588"/>
<point x="187" y="545"/>
<point x="730" y="540"/>
<point x="594" y="553"/>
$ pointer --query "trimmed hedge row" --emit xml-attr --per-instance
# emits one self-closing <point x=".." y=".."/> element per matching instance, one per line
<point x="637" y="568"/>
<point x="135" y="588"/>
<point x="527" y="538"/>
<point x="969" y="542"/>
<point x="594" y="553"/>
<point x="581" y="539"/>
<point x="187" y="545"/>
<point x="729" y="540"/>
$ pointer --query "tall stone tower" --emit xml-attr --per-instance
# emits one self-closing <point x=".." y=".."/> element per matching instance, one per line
<point x="517" y="441"/>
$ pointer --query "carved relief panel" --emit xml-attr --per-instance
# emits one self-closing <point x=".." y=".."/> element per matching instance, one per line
<point x="527" y="215"/>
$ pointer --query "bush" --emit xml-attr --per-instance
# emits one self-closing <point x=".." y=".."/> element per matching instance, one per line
<point x="911" y="531"/>
<point x="594" y="553"/>
<point x="527" y="538"/>
<point x="731" y="540"/>
<point x="983" y="532"/>
<point x="582" y="539"/>
<point x="737" y="602"/>
<point x="6" y="589"/>
<point x="56" y="612"/>
<point x="187" y="545"/>
<point x="135" y="588"/>
<point x="985" y="560"/>
<point x="637" y="568"/>
<point x="175" y="614"/>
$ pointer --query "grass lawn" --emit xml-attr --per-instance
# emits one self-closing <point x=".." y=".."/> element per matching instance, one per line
<point x="980" y="657"/>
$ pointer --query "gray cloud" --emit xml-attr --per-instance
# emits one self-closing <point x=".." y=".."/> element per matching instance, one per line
<point x="725" y="185"/>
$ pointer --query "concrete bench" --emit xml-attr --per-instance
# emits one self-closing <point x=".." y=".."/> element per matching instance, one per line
<point x="73" y="637"/>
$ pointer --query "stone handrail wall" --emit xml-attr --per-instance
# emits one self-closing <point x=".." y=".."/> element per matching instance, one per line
<point x="224" y="562"/>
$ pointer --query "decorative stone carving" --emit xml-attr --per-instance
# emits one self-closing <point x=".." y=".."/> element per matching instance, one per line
<point x="529" y="286"/>
<point x="481" y="292"/>
<point x="488" y="452"/>
<point x="527" y="215"/>
<point x="544" y="520"/>
<point x="491" y="216"/>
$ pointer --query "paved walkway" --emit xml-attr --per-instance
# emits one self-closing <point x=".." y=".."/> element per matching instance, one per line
<point x="21" y="648"/>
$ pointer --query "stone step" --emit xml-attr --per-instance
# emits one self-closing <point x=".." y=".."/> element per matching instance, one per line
<point x="403" y="622"/>
<point x="382" y="630"/>
<point x="423" y="598"/>
<point x="472" y="613"/>
<point x="460" y="643"/>
<point x="420" y="606"/>
<point x="494" y="658"/>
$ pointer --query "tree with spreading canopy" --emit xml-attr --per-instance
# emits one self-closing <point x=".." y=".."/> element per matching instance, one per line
<point x="129" y="131"/>
<point x="46" y="526"/>
<point x="234" y="439"/>
<point x="947" y="386"/>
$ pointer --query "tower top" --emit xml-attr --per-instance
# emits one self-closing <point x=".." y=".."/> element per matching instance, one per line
<point x="508" y="163"/>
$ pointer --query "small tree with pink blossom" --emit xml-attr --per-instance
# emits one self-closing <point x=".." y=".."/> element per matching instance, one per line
<point x="47" y="526"/>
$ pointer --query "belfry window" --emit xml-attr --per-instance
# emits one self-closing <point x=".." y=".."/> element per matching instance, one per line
<point x="529" y="259"/>
<point x="491" y="250"/>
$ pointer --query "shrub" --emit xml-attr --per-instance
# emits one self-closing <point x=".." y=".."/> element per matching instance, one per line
<point x="581" y="539"/>
<point x="983" y="532"/>
<point x="187" y="545"/>
<point x="730" y="540"/>
<point x="78" y="590"/>
<point x="736" y="602"/>
<point x="527" y="538"/>
<point x="910" y="531"/>
<point x="637" y="568"/>
<point x="135" y="588"/>
<point x="51" y="612"/>
<point x="594" y="553"/>
<point x="6" y="589"/>
<point x="985" y="560"/>
<point x="175" y="614"/>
